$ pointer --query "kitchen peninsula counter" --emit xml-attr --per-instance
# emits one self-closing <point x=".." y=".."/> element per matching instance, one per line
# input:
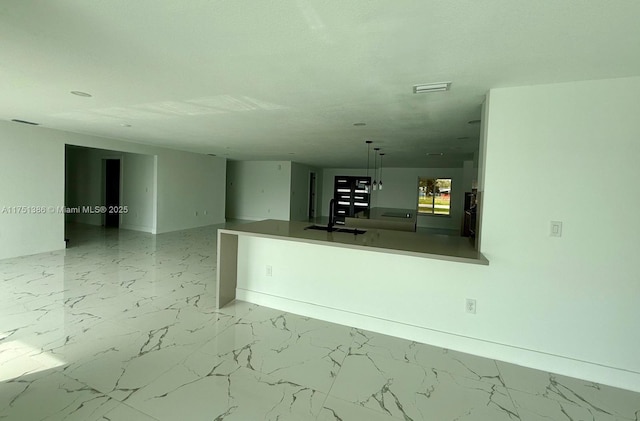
<point x="440" y="247"/>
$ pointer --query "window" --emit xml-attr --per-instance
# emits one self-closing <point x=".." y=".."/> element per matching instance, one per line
<point x="434" y="196"/>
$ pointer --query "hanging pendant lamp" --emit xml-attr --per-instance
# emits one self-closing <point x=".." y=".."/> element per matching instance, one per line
<point x="380" y="182"/>
<point x="375" y="167"/>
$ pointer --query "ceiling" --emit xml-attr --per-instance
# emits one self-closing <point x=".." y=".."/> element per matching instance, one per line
<point x="287" y="79"/>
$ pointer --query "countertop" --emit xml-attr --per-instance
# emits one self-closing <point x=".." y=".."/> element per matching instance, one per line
<point x="384" y="219"/>
<point x="392" y="214"/>
<point x="441" y="247"/>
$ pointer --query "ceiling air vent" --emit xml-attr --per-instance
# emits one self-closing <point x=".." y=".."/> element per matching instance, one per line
<point x="431" y="87"/>
<point x="26" y="122"/>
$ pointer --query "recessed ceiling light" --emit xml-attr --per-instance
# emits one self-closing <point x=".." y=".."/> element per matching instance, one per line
<point x="431" y="87"/>
<point x="80" y="93"/>
<point x="25" y="122"/>
<point x="125" y="125"/>
<point x="474" y="122"/>
<point x="212" y="154"/>
<point x="359" y="124"/>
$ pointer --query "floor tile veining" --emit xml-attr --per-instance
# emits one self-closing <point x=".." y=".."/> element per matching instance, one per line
<point x="122" y="326"/>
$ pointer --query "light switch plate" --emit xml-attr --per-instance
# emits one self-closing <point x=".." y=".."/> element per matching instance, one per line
<point x="556" y="229"/>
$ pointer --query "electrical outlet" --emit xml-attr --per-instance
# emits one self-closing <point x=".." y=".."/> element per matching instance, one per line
<point x="196" y="213"/>
<point x="269" y="270"/>
<point x="470" y="306"/>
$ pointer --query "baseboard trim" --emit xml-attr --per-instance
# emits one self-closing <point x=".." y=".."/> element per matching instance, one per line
<point x="563" y="365"/>
<point x="136" y="228"/>
<point x="245" y="218"/>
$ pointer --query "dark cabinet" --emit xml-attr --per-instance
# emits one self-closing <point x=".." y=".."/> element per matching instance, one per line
<point x="469" y="221"/>
<point x="351" y="195"/>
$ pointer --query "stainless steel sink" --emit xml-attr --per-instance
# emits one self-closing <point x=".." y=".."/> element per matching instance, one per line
<point x="345" y="230"/>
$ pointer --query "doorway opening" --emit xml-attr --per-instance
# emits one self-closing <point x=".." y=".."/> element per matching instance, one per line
<point x="312" y="195"/>
<point x="112" y="193"/>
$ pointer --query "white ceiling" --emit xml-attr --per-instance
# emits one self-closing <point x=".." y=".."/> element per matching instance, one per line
<point x="287" y="79"/>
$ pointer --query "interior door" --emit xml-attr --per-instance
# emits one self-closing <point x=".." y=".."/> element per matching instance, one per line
<point x="112" y="193"/>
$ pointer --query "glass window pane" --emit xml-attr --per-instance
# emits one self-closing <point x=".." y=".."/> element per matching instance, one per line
<point x="434" y="195"/>
<point x="442" y="203"/>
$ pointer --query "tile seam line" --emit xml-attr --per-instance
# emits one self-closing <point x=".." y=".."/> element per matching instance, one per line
<point x="513" y="402"/>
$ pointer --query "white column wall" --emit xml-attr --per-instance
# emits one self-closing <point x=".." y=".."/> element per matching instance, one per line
<point x="32" y="175"/>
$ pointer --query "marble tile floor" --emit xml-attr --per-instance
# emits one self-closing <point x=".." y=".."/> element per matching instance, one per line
<point x="122" y="326"/>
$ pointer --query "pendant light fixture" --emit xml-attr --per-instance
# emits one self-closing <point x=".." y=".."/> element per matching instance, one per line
<point x="380" y="182"/>
<point x="375" y="167"/>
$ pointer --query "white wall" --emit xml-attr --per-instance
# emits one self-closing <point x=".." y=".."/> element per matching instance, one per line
<point x="33" y="159"/>
<point x="32" y="175"/>
<point x="300" y="177"/>
<point x="189" y="184"/>
<point x="469" y="176"/>
<point x="181" y="175"/>
<point x="564" y="152"/>
<point x="185" y="183"/>
<point x="138" y="180"/>
<point x="400" y="190"/>
<point x="258" y="190"/>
